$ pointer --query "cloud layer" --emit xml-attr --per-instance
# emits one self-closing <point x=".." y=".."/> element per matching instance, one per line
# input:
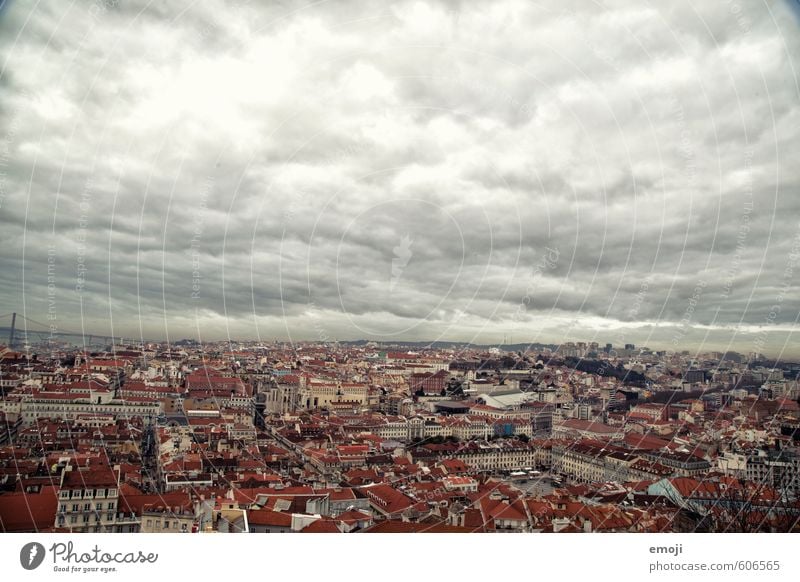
<point x="617" y="172"/>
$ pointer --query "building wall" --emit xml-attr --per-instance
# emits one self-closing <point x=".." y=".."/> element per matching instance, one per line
<point x="90" y="510"/>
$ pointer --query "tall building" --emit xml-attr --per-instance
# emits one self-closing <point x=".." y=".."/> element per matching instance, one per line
<point x="87" y="501"/>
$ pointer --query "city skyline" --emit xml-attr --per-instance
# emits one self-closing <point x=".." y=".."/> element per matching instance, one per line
<point x="34" y="338"/>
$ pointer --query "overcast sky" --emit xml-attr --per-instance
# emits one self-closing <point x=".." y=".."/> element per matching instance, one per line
<point x="619" y="172"/>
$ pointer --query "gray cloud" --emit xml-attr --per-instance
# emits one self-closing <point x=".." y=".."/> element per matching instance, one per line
<point x="349" y="171"/>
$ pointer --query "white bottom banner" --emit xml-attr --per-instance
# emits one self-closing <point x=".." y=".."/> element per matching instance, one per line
<point x="400" y="556"/>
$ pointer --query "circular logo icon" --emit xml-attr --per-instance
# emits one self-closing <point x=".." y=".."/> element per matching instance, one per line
<point x="31" y="555"/>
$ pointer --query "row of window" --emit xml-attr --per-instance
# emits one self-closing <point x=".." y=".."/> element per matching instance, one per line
<point x="87" y="493"/>
<point x="73" y="408"/>
<point x="175" y="525"/>
<point x="88" y="506"/>
<point x="85" y="519"/>
<point x="100" y="528"/>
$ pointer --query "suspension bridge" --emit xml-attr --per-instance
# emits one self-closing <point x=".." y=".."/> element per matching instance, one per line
<point x="24" y="330"/>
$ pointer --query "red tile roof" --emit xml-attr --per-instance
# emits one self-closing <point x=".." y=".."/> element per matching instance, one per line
<point x="269" y="518"/>
<point x="28" y="512"/>
<point x="387" y="499"/>
<point x="396" y="526"/>
<point x="322" y="526"/>
<point x="77" y="479"/>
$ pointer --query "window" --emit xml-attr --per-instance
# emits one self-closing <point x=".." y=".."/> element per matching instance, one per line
<point x="73" y="519"/>
<point x="63" y="507"/>
<point x="166" y="524"/>
<point x="149" y="523"/>
<point x="74" y="507"/>
<point x="111" y="505"/>
<point x="87" y="506"/>
<point x="99" y="507"/>
<point x="85" y="519"/>
<point x="110" y="517"/>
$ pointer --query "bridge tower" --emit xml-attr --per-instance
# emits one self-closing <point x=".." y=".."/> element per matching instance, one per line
<point x="13" y="329"/>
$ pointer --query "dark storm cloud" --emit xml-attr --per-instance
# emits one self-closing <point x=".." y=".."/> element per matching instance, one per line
<point x="403" y="170"/>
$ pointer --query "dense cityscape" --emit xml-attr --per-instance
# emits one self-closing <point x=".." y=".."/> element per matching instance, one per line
<point x="248" y="437"/>
<point x="419" y="266"/>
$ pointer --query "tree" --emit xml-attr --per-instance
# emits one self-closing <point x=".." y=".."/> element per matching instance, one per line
<point x="508" y="361"/>
<point x="745" y="506"/>
<point x="454" y="387"/>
